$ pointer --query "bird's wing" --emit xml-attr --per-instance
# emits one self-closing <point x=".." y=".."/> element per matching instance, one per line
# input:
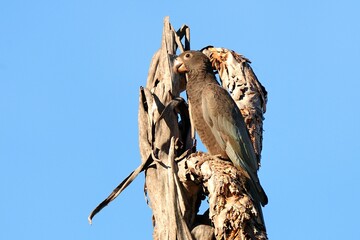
<point x="227" y="125"/>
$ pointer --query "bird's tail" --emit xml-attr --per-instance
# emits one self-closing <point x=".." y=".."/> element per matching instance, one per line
<point x="257" y="192"/>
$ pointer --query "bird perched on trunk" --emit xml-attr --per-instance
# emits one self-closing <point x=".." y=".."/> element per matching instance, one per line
<point x="217" y="119"/>
<point x="250" y="96"/>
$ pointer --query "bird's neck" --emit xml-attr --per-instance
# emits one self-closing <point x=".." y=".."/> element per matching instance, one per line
<point x="197" y="81"/>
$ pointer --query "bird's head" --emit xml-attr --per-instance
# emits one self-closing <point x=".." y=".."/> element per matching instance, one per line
<point x="190" y="61"/>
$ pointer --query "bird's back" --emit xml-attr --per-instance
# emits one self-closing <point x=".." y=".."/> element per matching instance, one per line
<point x="222" y="130"/>
<point x="217" y="119"/>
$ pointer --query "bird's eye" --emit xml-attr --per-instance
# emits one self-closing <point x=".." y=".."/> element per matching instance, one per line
<point x="187" y="55"/>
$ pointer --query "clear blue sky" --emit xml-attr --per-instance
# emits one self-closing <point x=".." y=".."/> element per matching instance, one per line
<point x="70" y="73"/>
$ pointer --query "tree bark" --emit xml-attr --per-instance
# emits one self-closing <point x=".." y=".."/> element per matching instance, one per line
<point x="164" y="138"/>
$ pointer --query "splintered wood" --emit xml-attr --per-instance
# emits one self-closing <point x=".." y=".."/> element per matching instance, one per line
<point x="177" y="178"/>
<point x="175" y="185"/>
<point x="159" y="112"/>
<point x="233" y="213"/>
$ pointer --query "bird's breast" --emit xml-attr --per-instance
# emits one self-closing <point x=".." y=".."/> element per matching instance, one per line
<point x="204" y="130"/>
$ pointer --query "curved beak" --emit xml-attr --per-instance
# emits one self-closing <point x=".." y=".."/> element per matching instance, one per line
<point x="179" y="66"/>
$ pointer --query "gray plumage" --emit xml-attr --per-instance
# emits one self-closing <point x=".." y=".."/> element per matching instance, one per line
<point x="239" y="79"/>
<point x="217" y="119"/>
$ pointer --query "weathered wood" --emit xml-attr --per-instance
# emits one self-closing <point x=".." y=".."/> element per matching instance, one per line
<point x="173" y="208"/>
<point x="231" y="210"/>
<point x="176" y="178"/>
<point x="159" y="110"/>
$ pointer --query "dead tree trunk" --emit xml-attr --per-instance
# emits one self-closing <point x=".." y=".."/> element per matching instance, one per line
<point x="164" y="139"/>
<point x="177" y="177"/>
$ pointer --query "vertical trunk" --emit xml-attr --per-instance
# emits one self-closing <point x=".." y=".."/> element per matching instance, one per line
<point x="174" y="208"/>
